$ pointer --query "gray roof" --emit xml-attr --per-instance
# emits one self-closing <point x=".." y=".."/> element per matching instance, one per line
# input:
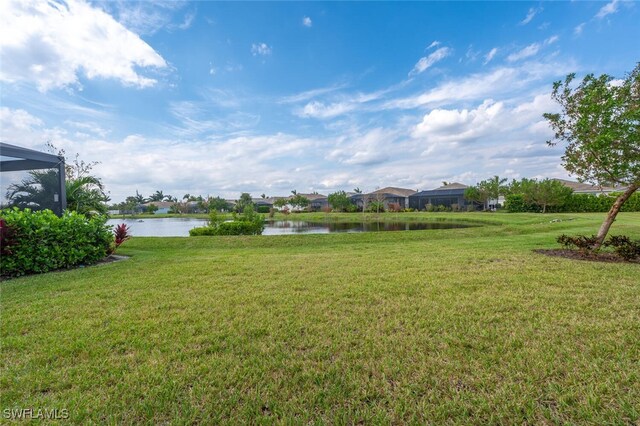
<point x="586" y="188"/>
<point x="391" y="190"/>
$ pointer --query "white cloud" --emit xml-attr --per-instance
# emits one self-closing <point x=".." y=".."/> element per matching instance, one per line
<point x="527" y="52"/>
<point x="18" y="120"/>
<point x="262" y="49"/>
<point x="145" y="17"/>
<point x="306" y="21"/>
<point x="50" y="43"/>
<point x="490" y="55"/>
<point x="530" y="15"/>
<point x="373" y="147"/>
<point x="188" y="21"/>
<point x="428" y="61"/>
<point x="551" y="40"/>
<point x="579" y="28"/>
<point x="608" y="9"/>
<point x="435" y="43"/>
<point x="443" y="125"/>
<point x="309" y="94"/>
<point x="317" y="109"/>
<point x="494" y="83"/>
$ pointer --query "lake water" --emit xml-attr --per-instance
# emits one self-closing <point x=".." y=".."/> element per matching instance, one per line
<point x="179" y="227"/>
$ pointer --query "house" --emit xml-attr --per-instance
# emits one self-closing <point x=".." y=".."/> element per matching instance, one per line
<point x="585" y="188"/>
<point x="450" y="196"/>
<point x="388" y="196"/>
<point x="316" y="201"/>
<point x="163" y="206"/>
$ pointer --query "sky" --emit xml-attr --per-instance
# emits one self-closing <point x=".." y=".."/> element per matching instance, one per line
<point x="218" y="98"/>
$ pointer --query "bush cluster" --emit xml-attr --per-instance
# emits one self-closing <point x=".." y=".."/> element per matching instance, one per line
<point x="40" y="241"/>
<point x="622" y="245"/>
<point x="249" y="223"/>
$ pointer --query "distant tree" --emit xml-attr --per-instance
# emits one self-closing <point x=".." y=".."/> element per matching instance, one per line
<point x="281" y="202"/>
<point x="152" y="209"/>
<point x="357" y="190"/>
<point x="294" y="192"/>
<point x="244" y="201"/>
<point x="339" y="201"/>
<point x="140" y="198"/>
<point x="548" y="192"/>
<point x="299" y="201"/>
<point x="476" y="194"/>
<point x="156" y="196"/>
<point x="218" y="204"/>
<point x="493" y="187"/>
<point x="600" y="124"/>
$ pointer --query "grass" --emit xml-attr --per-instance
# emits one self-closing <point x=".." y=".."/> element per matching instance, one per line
<point x="460" y="326"/>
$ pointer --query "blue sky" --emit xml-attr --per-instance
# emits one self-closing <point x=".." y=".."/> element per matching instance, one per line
<point x="219" y="98"/>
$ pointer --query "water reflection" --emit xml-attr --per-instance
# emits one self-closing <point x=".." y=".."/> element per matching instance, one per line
<point x="179" y="227"/>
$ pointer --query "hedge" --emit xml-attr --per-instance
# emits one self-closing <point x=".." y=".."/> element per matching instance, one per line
<point x="40" y="241"/>
<point x="576" y="203"/>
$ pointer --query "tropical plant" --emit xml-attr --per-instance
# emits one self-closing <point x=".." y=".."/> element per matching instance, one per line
<point x="121" y="233"/>
<point x="85" y="194"/>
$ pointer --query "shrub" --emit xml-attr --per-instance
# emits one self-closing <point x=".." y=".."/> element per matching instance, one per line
<point x="624" y="247"/>
<point x="581" y="242"/>
<point x="41" y="241"/>
<point x="121" y="234"/>
<point x="263" y="209"/>
<point x="326" y="209"/>
<point x="249" y="223"/>
<point x="395" y="207"/>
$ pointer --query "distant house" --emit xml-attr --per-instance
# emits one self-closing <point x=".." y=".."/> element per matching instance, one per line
<point x="163" y="206"/>
<point x="265" y="203"/>
<point x="316" y="201"/>
<point x="389" y="195"/>
<point x="585" y="188"/>
<point x="450" y="195"/>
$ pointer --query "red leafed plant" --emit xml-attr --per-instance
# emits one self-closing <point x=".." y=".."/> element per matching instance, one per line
<point x="122" y="234"/>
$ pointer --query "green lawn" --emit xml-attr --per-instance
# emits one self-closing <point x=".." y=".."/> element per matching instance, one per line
<point x="462" y="326"/>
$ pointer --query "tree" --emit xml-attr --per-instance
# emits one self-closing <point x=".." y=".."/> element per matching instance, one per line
<point x="339" y="201"/>
<point x="156" y="196"/>
<point x="152" y="209"/>
<point x="299" y="201"/>
<point x="493" y="187"/>
<point x="244" y="201"/>
<point x="475" y="194"/>
<point x="218" y="204"/>
<point x="547" y="192"/>
<point x="600" y="124"/>
<point x="86" y="196"/>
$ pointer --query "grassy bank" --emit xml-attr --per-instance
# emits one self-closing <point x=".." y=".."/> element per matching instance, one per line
<point x="466" y="326"/>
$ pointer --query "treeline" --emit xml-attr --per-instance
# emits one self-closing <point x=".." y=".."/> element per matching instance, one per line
<point x="542" y="196"/>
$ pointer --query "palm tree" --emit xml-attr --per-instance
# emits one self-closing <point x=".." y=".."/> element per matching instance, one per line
<point x="35" y="191"/>
<point x="85" y="194"/>
<point x="157" y="196"/>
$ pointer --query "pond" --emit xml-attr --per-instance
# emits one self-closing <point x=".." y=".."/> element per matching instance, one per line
<point x="179" y="227"/>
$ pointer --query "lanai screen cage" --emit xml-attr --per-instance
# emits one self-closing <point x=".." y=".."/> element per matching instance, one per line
<point x="31" y="179"/>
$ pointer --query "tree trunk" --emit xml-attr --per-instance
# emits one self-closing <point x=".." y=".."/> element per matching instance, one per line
<point x="611" y="216"/>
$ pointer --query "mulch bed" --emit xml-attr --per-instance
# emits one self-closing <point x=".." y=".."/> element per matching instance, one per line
<point x="590" y="257"/>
